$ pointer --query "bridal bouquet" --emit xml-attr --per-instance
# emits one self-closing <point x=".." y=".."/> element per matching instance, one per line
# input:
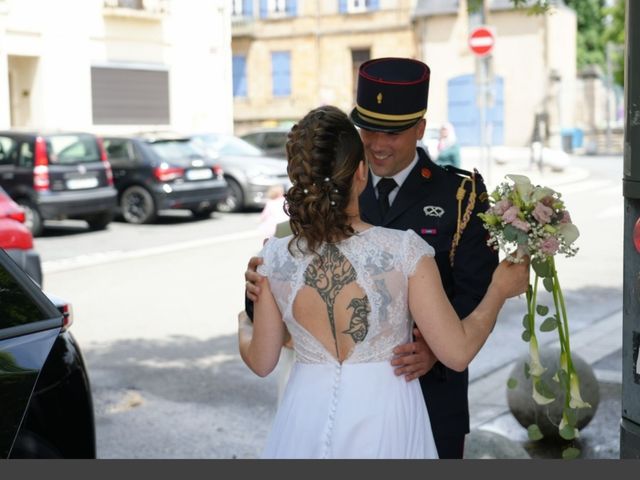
<point x="524" y="219"/>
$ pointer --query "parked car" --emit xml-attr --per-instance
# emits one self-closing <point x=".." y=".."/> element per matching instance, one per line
<point x="249" y="173"/>
<point x="271" y="141"/>
<point x="47" y="406"/>
<point x="16" y="239"/>
<point x="154" y="172"/>
<point x="57" y="175"/>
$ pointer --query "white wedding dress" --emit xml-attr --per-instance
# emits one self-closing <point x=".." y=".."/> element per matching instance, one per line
<point x="358" y="408"/>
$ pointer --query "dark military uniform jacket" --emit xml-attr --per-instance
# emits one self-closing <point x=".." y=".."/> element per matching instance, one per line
<point x="427" y="203"/>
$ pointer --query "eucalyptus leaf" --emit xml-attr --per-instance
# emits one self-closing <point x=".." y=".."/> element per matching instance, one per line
<point x="543" y="389"/>
<point x="525" y="321"/>
<point x="570" y="453"/>
<point x="527" y="375"/>
<point x="549" y="325"/>
<point x="564" y="378"/>
<point x="512" y="383"/>
<point x="568" y="432"/>
<point x="542" y="309"/>
<point x="542" y="268"/>
<point x="510" y="233"/>
<point x="526" y="335"/>
<point x="534" y="433"/>
<point x="548" y="284"/>
<point x="571" y="415"/>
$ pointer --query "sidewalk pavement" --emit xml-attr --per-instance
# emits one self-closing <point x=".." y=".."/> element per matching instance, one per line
<point x="600" y="345"/>
<point x="500" y="161"/>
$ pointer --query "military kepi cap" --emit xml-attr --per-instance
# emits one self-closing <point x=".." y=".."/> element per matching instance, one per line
<point x="392" y="94"/>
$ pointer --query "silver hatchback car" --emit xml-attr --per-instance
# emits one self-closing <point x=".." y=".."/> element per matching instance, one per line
<point x="249" y="173"/>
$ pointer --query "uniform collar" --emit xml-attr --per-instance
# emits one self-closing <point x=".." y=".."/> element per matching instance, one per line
<point x="399" y="177"/>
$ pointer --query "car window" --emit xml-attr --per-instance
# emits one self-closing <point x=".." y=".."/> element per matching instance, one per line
<point x="174" y="149"/>
<point x="71" y="149"/>
<point x="275" y="140"/>
<point x="116" y="148"/>
<point x="25" y="158"/>
<point x="16" y="305"/>
<point x="7" y="146"/>
<point x="227" y="145"/>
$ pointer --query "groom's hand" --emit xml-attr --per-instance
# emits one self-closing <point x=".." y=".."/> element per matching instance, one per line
<point x="413" y="359"/>
<point x="252" y="279"/>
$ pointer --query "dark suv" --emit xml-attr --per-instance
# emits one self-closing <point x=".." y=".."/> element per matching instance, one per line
<point x="56" y="176"/>
<point x="155" y="172"/>
<point x="47" y="406"/>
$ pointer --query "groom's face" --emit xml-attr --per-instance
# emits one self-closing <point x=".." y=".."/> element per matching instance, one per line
<point x="389" y="153"/>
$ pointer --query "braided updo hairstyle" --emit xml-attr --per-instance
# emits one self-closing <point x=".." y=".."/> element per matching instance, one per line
<point x="323" y="152"/>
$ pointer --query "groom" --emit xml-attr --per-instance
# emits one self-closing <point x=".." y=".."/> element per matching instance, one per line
<point x="406" y="190"/>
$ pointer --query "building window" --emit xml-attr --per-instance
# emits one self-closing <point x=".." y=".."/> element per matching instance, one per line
<point x="129" y="96"/>
<point x="239" y="76"/>
<point x="358" y="6"/>
<point x="278" y="8"/>
<point x="281" y="73"/>
<point x="242" y="8"/>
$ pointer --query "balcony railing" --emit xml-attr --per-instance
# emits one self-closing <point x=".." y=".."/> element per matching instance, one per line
<point x="153" y="7"/>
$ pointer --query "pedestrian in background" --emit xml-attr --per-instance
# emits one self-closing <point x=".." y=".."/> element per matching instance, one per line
<point x="448" y="148"/>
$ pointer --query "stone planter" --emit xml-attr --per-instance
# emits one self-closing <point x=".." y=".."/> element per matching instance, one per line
<point x="526" y="411"/>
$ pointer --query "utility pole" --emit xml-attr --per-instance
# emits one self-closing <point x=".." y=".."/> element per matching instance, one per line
<point x="630" y="422"/>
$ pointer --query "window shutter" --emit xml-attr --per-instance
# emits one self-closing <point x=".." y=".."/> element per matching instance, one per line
<point x="247" y="8"/>
<point x="281" y="73"/>
<point x="264" y="8"/>
<point x="373" y="4"/>
<point x="292" y="7"/>
<point x="342" y="6"/>
<point x="239" y="76"/>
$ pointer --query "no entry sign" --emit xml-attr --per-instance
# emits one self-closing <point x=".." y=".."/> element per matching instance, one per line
<point x="481" y="41"/>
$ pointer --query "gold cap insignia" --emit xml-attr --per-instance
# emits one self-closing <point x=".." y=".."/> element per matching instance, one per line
<point x="379" y="98"/>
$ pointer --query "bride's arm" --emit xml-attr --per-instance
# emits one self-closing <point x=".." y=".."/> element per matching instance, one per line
<point x="260" y="346"/>
<point x="455" y="343"/>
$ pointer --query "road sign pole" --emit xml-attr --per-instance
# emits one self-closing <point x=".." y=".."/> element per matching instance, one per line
<point x="481" y="41"/>
<point x="630" y="421"/>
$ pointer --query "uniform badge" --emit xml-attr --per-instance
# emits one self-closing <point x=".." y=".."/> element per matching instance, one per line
<point x="433" y="211"/>
<point x="483" y="197"/>
<point x="426" y="173"/>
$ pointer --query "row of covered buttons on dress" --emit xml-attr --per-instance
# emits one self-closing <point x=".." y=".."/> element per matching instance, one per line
<point x="333" y="404"/>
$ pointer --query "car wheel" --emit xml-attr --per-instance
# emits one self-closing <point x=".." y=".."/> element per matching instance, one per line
<point x="137" y="205"/>
<point x="235" y="199"/>
<point x="32" y="217"/>
<point x="202" y="213"/>
<point x="100" y="221"/>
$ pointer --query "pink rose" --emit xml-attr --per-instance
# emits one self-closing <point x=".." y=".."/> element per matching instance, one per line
<point x="565" y="218"/>
<point x="511" y="214"/>
<point x="550" y="245"/>
<point x="542" y="213"/>
<point x="521" y="225"/>
<point x="502" y="206"/>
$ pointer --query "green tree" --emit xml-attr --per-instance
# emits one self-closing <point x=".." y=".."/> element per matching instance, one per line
<point x="614" y="35"/>
<point x="590" y="15"/>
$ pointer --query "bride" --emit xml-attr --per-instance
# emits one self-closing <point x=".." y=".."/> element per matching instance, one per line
<point x="348" y="293"/>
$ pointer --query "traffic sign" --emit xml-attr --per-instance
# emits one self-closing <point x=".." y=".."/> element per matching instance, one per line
<point x="481" y="41"/>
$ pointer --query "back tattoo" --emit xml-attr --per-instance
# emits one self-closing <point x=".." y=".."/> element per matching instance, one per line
<point x="328" y="275"/>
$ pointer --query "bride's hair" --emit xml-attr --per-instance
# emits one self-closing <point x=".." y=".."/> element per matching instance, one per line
<point x="323" y="152"/>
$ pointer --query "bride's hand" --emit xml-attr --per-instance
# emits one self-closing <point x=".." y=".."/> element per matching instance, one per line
<point x="512" y="279"/>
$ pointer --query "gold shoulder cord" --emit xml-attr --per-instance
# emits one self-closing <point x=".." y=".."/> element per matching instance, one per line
<point x="463" y="219"/>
